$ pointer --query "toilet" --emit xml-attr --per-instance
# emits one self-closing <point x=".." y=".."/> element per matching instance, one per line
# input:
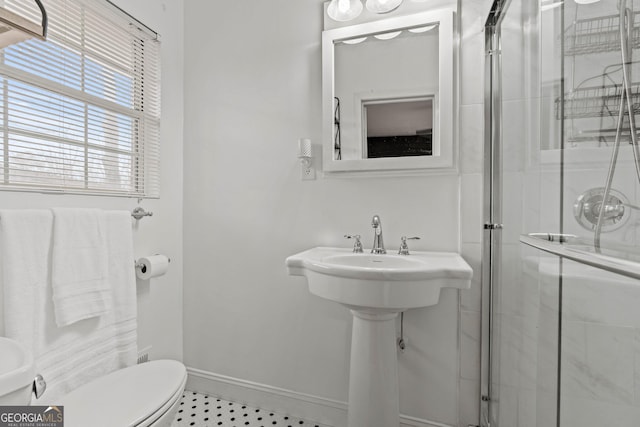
<point x="142" y="395"/>
<point x="147" y="394"/>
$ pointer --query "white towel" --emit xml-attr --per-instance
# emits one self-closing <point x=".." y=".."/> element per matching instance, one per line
<point x="25" y="240"/>
<point x="79" y="265"/>
<point x="70" y="356"/>
<point x="122" y="282"/>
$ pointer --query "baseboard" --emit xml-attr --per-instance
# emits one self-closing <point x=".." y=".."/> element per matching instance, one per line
<point x="313" y="408"/>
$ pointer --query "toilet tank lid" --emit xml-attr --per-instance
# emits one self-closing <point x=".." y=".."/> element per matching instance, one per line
<point x="125" y="397"/>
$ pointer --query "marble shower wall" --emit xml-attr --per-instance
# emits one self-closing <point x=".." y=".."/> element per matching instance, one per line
<point x="600" y="378"/>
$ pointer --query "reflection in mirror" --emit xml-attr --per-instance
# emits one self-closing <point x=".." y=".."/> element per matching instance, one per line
<point x="385" y="86"/>
<point x="398" y="127"/>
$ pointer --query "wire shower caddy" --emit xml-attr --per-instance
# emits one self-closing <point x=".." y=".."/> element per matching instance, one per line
<point x="601" y="101"/>
<point x="597" y="35"/>
<point x="601" y="34"/>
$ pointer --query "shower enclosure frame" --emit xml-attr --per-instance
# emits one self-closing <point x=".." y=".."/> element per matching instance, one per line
<point x="492" y="238"/>
<point x="492" y="200"/>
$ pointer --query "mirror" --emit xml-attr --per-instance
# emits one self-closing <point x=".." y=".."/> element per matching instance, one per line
<point x="388" y="94"/>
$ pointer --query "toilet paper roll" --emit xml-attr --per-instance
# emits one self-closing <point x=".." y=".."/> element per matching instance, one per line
<point x="152" y="266"/>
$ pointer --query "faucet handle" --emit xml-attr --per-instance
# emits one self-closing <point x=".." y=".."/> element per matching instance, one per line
<point x="404" y="248"/>
<point x="357" y="245"/>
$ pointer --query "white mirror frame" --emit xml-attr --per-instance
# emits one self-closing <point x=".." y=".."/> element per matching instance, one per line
<point x="443" y="119"/>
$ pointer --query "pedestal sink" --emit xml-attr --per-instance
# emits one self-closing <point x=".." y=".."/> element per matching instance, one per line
<point x="376" y="288"/>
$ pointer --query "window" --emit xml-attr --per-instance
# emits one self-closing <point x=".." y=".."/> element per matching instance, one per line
<point x="80" y="113"/>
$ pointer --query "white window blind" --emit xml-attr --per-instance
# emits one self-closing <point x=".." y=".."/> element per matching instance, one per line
<point x="80" y="113"/>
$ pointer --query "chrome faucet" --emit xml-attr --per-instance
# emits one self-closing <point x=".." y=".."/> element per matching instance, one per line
<point x="378" y="243"/>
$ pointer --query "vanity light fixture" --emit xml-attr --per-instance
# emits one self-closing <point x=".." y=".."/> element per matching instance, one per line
<point x="393" y="34"/>
<point x="354" y="41"/>
<point x="346" y="10"/>
<point x="382" y="6"/>
<point x="423" y="29"/>
<point x="305" y="154"/>
<point x="387" y="36"/>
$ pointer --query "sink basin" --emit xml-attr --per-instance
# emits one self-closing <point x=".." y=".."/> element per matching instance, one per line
<point x="380" y="282"/>
<point x="374" y="262"/>
<point x="17" y="371"/>
<point x="376" y="288"/>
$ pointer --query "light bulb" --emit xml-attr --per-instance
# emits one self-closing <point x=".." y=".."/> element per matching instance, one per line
<point x="354" y="41"/>
<point x="382" y="6"/>
<point x="423" y="29"/>
<point x="344" y="10"/>
<point x="387" y="36"/>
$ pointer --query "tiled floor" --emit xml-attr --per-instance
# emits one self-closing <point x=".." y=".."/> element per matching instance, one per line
<point x="200" y="410"/>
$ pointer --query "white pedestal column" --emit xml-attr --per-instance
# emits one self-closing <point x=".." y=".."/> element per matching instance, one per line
<point x="373" y="377"/>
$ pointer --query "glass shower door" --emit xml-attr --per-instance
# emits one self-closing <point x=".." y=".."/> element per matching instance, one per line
<point x="561" y="288"/>
<point x="520" y="284"/>
<point x="600" y="359"/>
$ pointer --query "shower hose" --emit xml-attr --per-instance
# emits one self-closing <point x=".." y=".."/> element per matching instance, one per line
<point x="626" y="24"/>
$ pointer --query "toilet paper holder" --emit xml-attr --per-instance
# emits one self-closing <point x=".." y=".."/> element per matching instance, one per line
<point x="139" y="265"/>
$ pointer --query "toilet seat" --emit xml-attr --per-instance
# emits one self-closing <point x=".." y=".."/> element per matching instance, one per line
<point x="136" y="396"/>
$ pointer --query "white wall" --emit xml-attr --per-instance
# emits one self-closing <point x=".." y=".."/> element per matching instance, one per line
<point x="159" y="303"/>
<point x="252" y="88"/>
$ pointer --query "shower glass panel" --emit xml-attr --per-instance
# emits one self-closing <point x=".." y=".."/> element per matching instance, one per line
<point x="561" y="288"/>
<point x="521" y="384"/>
<point x="600" y="336"/>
